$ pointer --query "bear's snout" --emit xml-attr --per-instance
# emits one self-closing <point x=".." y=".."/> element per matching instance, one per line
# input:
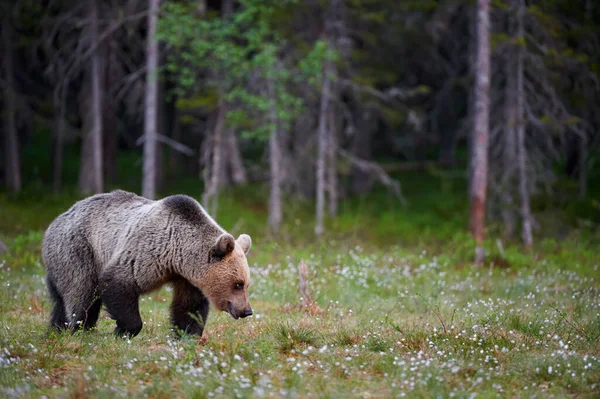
<point x="241" y="313"/>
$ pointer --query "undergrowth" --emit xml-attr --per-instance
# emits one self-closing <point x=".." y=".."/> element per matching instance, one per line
<point x="400" y="310"/>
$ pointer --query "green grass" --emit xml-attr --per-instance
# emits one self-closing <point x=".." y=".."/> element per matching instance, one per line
<point x="391" y="322"/>
<point x="400" y="310"/>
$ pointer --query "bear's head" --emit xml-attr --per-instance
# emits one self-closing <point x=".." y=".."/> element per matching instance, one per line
<point x="226" y="282"/>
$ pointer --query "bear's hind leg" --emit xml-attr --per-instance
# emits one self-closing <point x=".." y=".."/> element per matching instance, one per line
<point x="121" y="302"/>
<point x="83" y="306"/>
<point x="58" y="317"/>
<point x="92" y="314"/>
<point x="189" y="308"/>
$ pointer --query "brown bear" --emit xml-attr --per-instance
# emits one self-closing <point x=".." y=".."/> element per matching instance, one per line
<point x="111" y="248"/>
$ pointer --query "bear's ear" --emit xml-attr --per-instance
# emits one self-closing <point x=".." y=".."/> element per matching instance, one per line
<point x="224" y="245"/>
<point x="245" y="242"/>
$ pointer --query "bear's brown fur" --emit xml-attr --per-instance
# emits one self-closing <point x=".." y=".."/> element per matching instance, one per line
<point x="111" y="248"/>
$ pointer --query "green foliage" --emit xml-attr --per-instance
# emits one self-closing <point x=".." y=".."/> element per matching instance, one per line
<point x="396" y="293"/>
<point x="232" y="51"/>
<point x="427" y="323"/>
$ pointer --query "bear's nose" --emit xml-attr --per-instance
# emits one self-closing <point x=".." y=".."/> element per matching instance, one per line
<point x="247" y="312"/>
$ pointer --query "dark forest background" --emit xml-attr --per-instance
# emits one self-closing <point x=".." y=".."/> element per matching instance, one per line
<point x="310" y="114"/>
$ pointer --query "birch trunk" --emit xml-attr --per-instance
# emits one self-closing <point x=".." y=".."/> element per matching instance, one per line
<point x="583" y="154"/>
<point x="509" y="156"/>
<point x="275" y="212"/>
<point x="109" y="115"/>
<point x="212" y="178"/>
<point x="150" y="108"/>
<point x="481" y="127"/>
<point x="521" y="129"/>
<point x="583" y="141"/>
<point x="12" y="166"/>
<point x="362" y="181"/>
<point x="58" y="148"/>
<point x="331" y="163"/>
<point x="91" y="172"/>
<point x="323" y="141"/>
<point x="234" y="157"/>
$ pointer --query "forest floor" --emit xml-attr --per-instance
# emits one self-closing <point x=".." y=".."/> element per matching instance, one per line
<point x="399" y="311"/>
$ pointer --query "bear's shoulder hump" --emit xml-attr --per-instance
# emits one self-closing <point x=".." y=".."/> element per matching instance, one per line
<point x="184" y="206"/>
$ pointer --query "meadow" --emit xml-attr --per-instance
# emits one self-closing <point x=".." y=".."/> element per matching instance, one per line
<point x="394" y="308"/>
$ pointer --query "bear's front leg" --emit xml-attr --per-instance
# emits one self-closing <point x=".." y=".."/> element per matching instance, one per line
<point x="121" y="301"/>
<point x="189" y="308"/>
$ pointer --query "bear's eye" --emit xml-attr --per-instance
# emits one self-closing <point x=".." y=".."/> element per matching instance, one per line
<point x="238" y="286"/>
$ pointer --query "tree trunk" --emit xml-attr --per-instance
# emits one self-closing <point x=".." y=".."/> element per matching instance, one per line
<point x="227" y="7"/>
<point x="234" y="158"/>
<point x="521" y="129"/>
<point x="583" y="140"/>
<point x="109" y="121"/>
<point x="91" y="171"/>
<point x="213" y="177"/>
<point x="303" y="147"/>
<point x="509" y="155"/>
<point x="150" y="108"/>
<point x="332" y="183"/>
<point x="323" y="142"/>
<point x="58" y="144"/>
<point x="481" y="127"/>
<point x="12" y="167"/>
<point x="174" y="156"/>
<point x="583" y="153"/>
<point x="275" y="212"/>
<point x="362" y="181"/>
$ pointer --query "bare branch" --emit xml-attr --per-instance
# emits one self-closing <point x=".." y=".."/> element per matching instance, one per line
<point x="377" y="171"/>
<point x="176" y="145"/>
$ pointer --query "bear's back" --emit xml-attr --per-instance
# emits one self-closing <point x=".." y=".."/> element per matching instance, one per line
<point x="188" y="210"/>
<point x="101" y="208"/>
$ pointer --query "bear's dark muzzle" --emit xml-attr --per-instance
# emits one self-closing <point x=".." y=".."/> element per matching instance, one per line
<point x="247" y="312"/>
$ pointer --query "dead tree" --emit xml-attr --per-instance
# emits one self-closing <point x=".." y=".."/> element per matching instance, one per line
<point x="151" y="106"/>
<point x="236" y="168"/>
<point x="479" y="160"/>
<point x="275" y="165"/>
<point x="12" y="166"/>
<point x="332" y="176"/>
<point x="521" y="128"/>
<point x="323" y="143"/>
<point x="509" y="144"/>
<point x="213" y="169"/>
<point x="91" y="172"/>
<point x="325" y="174"/>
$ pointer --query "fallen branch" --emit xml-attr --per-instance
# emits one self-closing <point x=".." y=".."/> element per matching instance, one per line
<point x="308" y="303"/>
<point x="377" y="171"/>
<point x="392" y="96"/>
<point x="176" y="145"/>
<point x="306" y="296"/>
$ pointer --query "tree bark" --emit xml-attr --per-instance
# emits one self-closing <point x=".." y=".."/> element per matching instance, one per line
<point x="58" y="145"/>
<point x="12" y="167"/>
<point x="332" y="183"/>
<point x="323" y="142"/>
<point x="213" y="177"/>
<point x="150" y="115"/>
<point x="521" y="129"/>
<point x="509" y="154"/>
<point x="227" y="7"/>
<point x="275" y="212"/>
<point x="109" y="117"/>
<point x="481" y="128"/>
<point x="362" y="181"/>
<point x="91" y="171"/>
<point x="234" y="158"/>
<point x="583" y="154"/>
